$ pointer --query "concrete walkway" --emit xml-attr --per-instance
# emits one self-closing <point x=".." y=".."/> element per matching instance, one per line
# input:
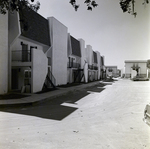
<point x="34" y="98"/>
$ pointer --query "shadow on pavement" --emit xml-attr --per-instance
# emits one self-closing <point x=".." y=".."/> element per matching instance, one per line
<point x="12" y="96"/>
<point x="52" y="108"/>
<point x="95" y="89"/>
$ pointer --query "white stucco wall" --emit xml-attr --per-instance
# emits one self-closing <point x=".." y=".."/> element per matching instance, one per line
<point x="14" y="28"/>
<point x="128" y="67"/>
<point x="84" y="64"/>
<point x="39" y="69"/>
<point x="16" y="46"/>
<point x="69" y="48"/>
<point x="83" y="53"/>
<point x="89" y="54"/>
<point x="59" y="37"/>
<point x="14" y="32"/>
<point x="98" y="64"/>
<point x="3" y="53"/>
<point x="133" y="74"/>
<point x="86" y="72"/>
<point x="143" y="68"/>
<point x="38" y="64"/>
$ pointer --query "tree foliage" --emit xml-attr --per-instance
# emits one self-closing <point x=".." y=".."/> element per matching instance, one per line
<point x="126" y="5"/>
<point x="90" y="4"/>
<point x="129" y="6"/>
<point x="17" y="5"/>
<point x="11" y="5"/>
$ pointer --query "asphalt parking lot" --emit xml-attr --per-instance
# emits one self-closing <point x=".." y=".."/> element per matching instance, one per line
<point x="99" y="117"/>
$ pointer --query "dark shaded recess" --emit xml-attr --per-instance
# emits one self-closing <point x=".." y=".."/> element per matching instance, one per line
<point x="75" y="44"/>
<point x="102" y="61"/>
<point x="95" y="57"/>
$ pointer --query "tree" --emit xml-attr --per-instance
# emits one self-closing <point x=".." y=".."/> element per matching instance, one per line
<point x="20" y="6"/>
<point x="129" y="5"/>
<point x="11" y="5"/>
<point x="126" y="5"/>
<point x="90" y="4"/>
<point x="17" y="5"/>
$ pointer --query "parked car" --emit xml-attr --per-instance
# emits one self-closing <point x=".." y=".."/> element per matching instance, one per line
<point x="146" y="118"/>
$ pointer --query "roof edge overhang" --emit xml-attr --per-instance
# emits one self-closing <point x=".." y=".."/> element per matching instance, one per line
<point x="33" y="41"/>
<point x="135" y="61"/>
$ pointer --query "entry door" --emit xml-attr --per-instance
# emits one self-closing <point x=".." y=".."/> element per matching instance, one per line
<point x="14" y="79"/>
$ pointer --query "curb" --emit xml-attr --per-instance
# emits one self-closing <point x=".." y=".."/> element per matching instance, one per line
<point x="30" y="103"/>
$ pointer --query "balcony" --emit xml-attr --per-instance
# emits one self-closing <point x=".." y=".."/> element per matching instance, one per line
<point x="73" y="65"/>
<point x="95" y="68"/>
<point x="91" y="67"/>
<point x="21" y="56"/>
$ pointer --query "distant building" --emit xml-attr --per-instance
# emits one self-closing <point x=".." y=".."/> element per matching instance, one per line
<point x="136" y="67"/>
<point x="111" y="71"/>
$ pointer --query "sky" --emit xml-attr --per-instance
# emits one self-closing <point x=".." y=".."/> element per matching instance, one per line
<point x="116" y="35"/>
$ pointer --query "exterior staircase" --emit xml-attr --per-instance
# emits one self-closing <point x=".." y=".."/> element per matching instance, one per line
<point x="79" y="75"/>
<point x="50" y="81"/>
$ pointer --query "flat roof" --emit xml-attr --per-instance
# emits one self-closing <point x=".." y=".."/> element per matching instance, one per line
<point x="135" y="61"/>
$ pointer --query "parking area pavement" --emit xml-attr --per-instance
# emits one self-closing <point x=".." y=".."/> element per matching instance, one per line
<point x="109" y="119"/>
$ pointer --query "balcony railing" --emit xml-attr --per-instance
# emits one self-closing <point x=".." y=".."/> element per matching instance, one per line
<point x="73" y="65"/>
<point x="95" y="68"/>
<point x="92" y="67"/>
<point x="21" y="55"/>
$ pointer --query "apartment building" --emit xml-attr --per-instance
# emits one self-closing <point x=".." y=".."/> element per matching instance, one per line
<point x="29" y="42"/>
<point x="38" y="53"/>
